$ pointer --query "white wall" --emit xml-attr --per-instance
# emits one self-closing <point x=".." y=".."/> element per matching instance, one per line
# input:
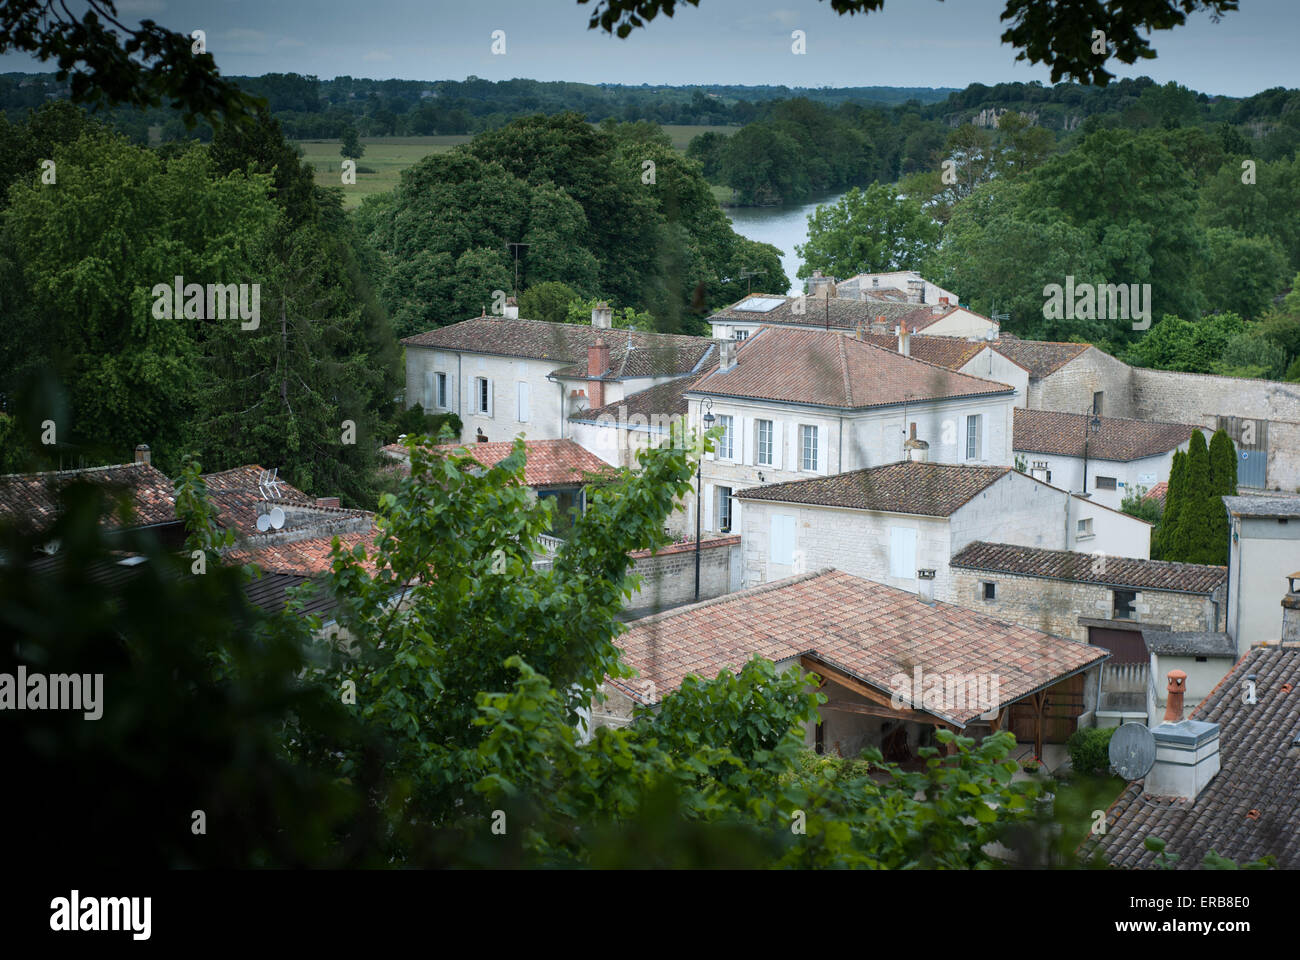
<point x="960" y="323"/>
<point x="1067" y="472"/>
<point x="991" y="365"/>
<point x="1261" y="556"/>
<point x="545" y="410"/>
<point x="1114" y="534"/>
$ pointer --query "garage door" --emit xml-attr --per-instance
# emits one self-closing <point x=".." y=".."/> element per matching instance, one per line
<point x="1126" y="646"/>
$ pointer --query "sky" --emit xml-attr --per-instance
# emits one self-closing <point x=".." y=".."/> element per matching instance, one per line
<point x="911" y="43"/>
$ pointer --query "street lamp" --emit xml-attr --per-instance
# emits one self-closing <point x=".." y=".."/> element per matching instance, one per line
<point x="699" y="488"/>
<point x="1091" y="427"/>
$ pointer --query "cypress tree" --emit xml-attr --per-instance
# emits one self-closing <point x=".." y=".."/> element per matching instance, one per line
<point x="1194" y="533"/>
<point x="1223" y="477"/>
<point x="1163" y="535"/>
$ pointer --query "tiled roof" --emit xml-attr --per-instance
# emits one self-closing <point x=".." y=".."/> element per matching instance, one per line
<point x="923" y="316"/>
<point x="1251" y="808"/>
<point x="866" y="629"/>
<point x="665" y="400"/>
<point x="309" y="557"/>
<point x="239" y="499"/>
<point x="925" y="489"/>
<point x="1190" y="643"/>
<point x="1053" y="432"/>
<point x="567" y="343"/>
<point x="269" y="593"/>
<point x="547" y="463"/>
<point x="837" y="313"/>
<point x="1157" y="492"/>
<point x="30" y="500"/>
<point x="950" y="352"/>
<point x="1266" y="507"/>
<point x="1085" y="568"/>
<point x="1039" y="357"/>
<point x="833" y="370"/>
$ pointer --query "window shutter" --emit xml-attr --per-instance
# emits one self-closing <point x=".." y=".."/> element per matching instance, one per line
<point x="744" y="442"/>
<point x="428" y="390"/>
<point x="708" y="507"/>
<point x="902" y="553"/>
<point x="522" y="412"/>
<point x="782" y="545"/>
<point x="491" y="395"/>
<point x="776" y="444"/>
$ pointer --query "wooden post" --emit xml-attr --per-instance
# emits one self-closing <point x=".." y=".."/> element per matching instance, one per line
<point x="1040" y="701"/>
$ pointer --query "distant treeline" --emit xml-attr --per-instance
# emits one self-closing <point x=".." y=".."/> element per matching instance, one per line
<point x="799" y="148"/>
<point x="310" y="108"/>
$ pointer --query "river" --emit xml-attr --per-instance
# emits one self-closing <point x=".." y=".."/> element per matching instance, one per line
<point x="782" y="226"/>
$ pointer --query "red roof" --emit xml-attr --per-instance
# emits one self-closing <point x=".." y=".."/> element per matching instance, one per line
<point x="30" y="500"/>
<point x="548" y="463"/>
<point x="308" y="557"/>
<point x="868" y="630"/>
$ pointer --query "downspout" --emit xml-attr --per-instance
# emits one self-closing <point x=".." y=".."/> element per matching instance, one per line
<point x="1066" y="545"/>
<point x="840" y="453"/>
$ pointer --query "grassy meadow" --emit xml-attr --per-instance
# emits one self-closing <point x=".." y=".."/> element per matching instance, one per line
<point x="389" y="156"/>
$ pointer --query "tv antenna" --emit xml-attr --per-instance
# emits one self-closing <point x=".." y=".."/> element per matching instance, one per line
<point x="269" y="485"/>
<point x="514" y="248"/>
<point x="747" y="275"/>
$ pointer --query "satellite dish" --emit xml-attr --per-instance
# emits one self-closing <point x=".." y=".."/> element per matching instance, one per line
<point x="277" y="517"/>
<point x="1132" y="751"/>
<point x="263" y="523"/>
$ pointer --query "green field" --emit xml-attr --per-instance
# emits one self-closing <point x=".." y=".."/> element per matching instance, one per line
<point x="389" y="156"/>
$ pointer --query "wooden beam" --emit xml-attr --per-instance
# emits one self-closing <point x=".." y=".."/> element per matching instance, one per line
<point x="873" y="710"/>
<point x="1040" y="701"/>
<point x="844" y="680"/>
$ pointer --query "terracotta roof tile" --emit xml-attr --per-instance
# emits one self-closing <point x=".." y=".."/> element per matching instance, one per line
<point x="1251" y="808"/>
<point x="950" y="352"/>
<point x="1084" y="568"/>
<point x="869" y="630"/>
<point x="566" y="343"/>
<point x="30" y="500"/>
<point x="924" y="489"/>
<point x="664" y="400"/>
<point x="1039" y="357"/>
<point x="833" y="370"/>
<point x="837" y="313"/>
<point x="1053" y="432"/>
<point x="547" y="463"/>
<point x="308" y="557"/>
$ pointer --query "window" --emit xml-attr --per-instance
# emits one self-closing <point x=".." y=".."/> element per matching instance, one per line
<point x="902" y="553"/>
<point x="441" y="381"/>
<point x="741" y="334"/>
<point x="974" y="425"/>
<point x="1096" y="403"/>
<point x="724" y="509"/>
<point x="764" y="445"/>
<point x="782" y="539"/>
<point x="1104" y="483"/>
<point x="1125" y="605"/>
<point x="568" y="505"/>
<point x="808" y="448"/>
<point x="990" y="590"/>
<point x="523" y="396"/>
<point x="482" y="396"/>
<point x="1084" y="528"/>
<point x="726" y="448"/>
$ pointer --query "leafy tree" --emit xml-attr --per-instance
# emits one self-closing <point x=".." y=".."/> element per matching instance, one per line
<point x="1223" y="481"/>
<point x="706" y="150"/>
<point x="764" y="165"/>
<point x="351" y="145"/>
<point x="547" y="301"/>
<point x="1022" y="144"/>
<point x="1193" y="347"/>
<point x="623" y="318"/>
<point x="867" y="231"/>
<point x="1243" y="273"/>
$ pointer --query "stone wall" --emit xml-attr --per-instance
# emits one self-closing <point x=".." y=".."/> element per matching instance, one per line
<point x="668" y="577"/>
<point x="1055" y="606"/>
<point x="1070" y="388"/>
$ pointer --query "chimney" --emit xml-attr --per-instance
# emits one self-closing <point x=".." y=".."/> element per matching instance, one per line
<point x="726" y="355"/>
<point x="597" y="366"/>
<point x="904" y="339"/>
<point x="602" y="317"/>
<point x="925" y="586"/>
<point x="1177" y="688"/>
<point x="878" y="325"/>
<point x="1291" y="610"/>
<point x="943" y="302"/>
<point x="328" y="502"/>
<point x="820" y="285"/>
<point x="914" y="449"/>
<point x="142" y="454"/>
<point x="1187" y="751"/>
<point x="512" y="309"/>
<point x="916" y="291"/>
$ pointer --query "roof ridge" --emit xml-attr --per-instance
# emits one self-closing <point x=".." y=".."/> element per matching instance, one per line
<point x="72" y="470"/>
<point x="1159" y="423"/>
<point x="1080" y="553"/>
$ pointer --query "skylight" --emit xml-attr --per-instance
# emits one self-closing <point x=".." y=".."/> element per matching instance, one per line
<point x="760" y="304"/>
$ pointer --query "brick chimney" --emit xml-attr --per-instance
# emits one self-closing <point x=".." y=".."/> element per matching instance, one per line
<point x="1291" y="610"/>
<point x="943" y="302"/>
<point x="1187" y="751"/>
<point x="916" y="291"/>
<point x="726" y="355"/>
<point x="328" y="502"/>
<point x="142" y="454"/>
<point x="512" y="309"/>
<point x="597" y="366"/>
<point x="602" y="316"/>
<point x="878" y="325"/>
<point x="1177" y="688"/>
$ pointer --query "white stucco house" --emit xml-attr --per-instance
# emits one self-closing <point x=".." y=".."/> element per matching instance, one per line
<point x="1264" y="553"/>
<point x="887" y="523"/>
